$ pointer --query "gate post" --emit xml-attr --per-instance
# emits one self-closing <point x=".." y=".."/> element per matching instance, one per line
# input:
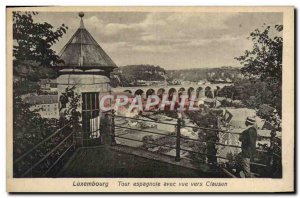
<point x="112" y="128"/>
<point x="178" y="126"/>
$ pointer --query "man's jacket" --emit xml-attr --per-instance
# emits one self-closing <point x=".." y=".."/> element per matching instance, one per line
<point x="248" y="139"/>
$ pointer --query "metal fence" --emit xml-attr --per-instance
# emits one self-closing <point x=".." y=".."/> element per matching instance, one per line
<point x="48" y="156"/>
<point x="269" y="153"/>
<point x="45" y="158"/>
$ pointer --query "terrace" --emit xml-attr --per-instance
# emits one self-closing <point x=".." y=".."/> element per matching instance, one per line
<point x="70" y="153"/>
<point x="122" y="161"/>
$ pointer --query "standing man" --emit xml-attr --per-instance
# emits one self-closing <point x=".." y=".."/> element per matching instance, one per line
<point x="248" y="139"/>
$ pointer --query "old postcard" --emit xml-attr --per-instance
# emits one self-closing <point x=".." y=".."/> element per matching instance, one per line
<point x="150" y="99"/>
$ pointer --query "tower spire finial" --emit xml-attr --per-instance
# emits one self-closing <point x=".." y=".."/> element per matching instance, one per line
<point x="81" y="15"/>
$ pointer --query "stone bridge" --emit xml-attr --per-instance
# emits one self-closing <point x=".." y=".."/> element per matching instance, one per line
<point x="203" y="90"/>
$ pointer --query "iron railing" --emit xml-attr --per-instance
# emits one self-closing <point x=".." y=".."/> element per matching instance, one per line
<point x="45" y="158"/>
<point x="178" y="138"/>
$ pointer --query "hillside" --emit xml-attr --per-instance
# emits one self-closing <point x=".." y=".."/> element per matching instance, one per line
<point x="210" y="74"/>
<point x="132" y="75"/>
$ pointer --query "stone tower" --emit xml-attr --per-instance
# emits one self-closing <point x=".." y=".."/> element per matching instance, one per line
<point x="87" y="67"/>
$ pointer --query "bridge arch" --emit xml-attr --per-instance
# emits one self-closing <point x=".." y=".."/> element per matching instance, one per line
<point x="171" y="92"/>
<point x="190" y="91"/>
<point x="199" y="92"/>
<point x="127" y="91"/>
<point x="216" y="91"/>
<point x="180" y="92"/>
<point x="149" y="92"/>
<point x="139" y="92"/>
<point x="160" y="92"/>
<point x="208" y="92"/>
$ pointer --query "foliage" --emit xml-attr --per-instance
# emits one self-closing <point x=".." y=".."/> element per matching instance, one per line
<point x="228" y="92"/>
<point x="210" y="74"/>
<point x="130" y="74"/>
<point x="25" y="86"/>
<point x="23" y="145"/>
<point x="171" y="114"/>
<point x="32" y="60"/>
<point x="28" y="121"/>
<point x="254" y="93"/>
<point x="232" y="103"/>
<point x="209" y="94"/>
<point x="264" y="61"/>
<point x="206" y="119"/>
<point x="74" y="100"/>
<point x="271" y="115"/>
<point x="30" y="129"/>
<point x="33" y="56"/>
<point x="265" y="111"/>
<point x="262" y="65"/>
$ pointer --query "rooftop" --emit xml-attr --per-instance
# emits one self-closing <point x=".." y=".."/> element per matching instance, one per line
<point x="41" y="99"/>
<point x="82" y="50"/>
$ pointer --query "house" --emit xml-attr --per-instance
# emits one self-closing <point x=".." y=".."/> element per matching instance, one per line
<point x="48" y="85"/>
<point x="228" y="80"/>
<point x="46" y="105"/>
<point x="236" y="117"/>
<point x="211" y="102"/>
<point x="220" y="99"/>
<point x="176" y="82"/>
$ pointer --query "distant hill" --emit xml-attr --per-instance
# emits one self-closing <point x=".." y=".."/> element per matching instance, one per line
<point x="225" y="73"/>
<point x="130" y="75"/>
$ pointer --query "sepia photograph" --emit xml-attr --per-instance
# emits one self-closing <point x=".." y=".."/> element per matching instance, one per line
<point x="158" y="99"/>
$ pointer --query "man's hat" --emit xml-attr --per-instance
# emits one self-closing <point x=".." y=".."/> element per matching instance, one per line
<point x="250" y="120"/>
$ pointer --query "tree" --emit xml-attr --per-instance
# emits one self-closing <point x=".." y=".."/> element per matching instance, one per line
<point x="263" y="67"/>
<point x="254" y="93"/>
<point x="32" y="53"/>
<point x="72" y="110"/>
<point x="264" y="61"/>
<point x="32" y="60"/>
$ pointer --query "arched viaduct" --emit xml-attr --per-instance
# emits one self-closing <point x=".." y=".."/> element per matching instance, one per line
<point x="204" y="90"/>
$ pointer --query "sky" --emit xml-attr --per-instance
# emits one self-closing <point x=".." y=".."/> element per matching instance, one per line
<point x="168" y="39"/>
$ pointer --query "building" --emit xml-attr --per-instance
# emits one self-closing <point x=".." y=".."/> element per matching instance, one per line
<point x="176" y="82"/>
<point x="236" y="117"/>
<point x="45" y="105"/>
<point x="48" y="86"/>
<point x="86" y="67"/>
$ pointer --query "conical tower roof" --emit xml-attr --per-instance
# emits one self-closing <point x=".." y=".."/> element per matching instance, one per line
<point x="83" y="51"/>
